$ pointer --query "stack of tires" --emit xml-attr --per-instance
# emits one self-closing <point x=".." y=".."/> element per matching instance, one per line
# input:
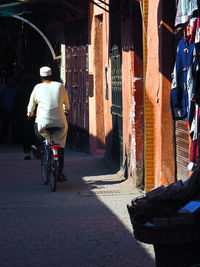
<point x="169" y="218"/>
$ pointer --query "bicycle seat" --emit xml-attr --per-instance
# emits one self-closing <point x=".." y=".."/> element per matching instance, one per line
<point x="51" y="130"/>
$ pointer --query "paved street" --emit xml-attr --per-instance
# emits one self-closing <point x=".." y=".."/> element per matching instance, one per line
<point x="84" y="223"/>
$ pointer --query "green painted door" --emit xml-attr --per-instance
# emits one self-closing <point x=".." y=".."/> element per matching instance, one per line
<point x="116" y="108"/>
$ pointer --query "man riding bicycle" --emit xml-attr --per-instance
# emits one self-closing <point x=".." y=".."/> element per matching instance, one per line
<point x="52" y="102"/>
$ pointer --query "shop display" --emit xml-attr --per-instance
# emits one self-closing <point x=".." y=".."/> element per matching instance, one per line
<point x="185" y="93"/>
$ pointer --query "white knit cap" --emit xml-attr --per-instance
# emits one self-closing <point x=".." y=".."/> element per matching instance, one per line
<point x="45" y="71"/>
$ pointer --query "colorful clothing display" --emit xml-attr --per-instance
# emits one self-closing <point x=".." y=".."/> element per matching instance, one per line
<point x="183" y="81"/>
<point x="185" y="90"/>
<point x="185" y="9"/>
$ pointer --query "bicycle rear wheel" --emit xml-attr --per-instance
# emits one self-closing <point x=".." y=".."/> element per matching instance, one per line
<point x="44" y="168"/>
<point x="53" y="174"/>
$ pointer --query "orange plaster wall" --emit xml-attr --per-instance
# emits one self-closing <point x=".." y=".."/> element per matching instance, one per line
<point x="133" y="113"/>
<point x="132" y="94"/>
<point x="126" y="98"/>
<point x="105" y="112"/>
<point x="152" y="91"/>
<point x="157" y="91"/>
<point x="98" y="81"/>
<point x="92" y="113"/>
<point x="168" y="157"/>
<point x="107" y="63"/>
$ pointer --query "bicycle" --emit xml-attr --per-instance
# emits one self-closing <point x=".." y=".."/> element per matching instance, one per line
<point x="49" y="163"/>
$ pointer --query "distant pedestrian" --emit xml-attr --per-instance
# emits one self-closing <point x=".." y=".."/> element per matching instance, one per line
<point x="25" y="126"/>
<point x="7" y="113"/>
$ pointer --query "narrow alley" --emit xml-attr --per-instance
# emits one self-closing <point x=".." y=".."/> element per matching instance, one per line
<point x="84" y="223"/>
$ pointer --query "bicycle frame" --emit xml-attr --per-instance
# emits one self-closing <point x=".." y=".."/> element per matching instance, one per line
<point x="53" y="148"/>
<point x="50" y="163"/>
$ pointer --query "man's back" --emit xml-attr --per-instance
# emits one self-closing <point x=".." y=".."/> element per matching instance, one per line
<point x="50" y="98"/>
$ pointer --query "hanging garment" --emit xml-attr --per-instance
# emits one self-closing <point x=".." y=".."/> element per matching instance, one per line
<point x="197" y="34"/>
<point x="195" y="126"/>
<point x="183" y="81"/>
<point x="194" y="153"/>
<point x="193" y="23"/>
<point x="194" y="148"/>
<point x="185" y="9"/>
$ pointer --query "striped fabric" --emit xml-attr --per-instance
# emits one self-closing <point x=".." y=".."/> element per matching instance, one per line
<point x="185" y="8"/>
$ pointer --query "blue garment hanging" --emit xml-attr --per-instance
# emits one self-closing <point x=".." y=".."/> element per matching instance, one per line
<point x="183" y="81"/>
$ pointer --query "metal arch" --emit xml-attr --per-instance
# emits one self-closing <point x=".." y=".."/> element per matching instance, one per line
<point x="41" y="33"/>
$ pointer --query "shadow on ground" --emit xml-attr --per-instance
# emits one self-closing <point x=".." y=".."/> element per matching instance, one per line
<point x="66" y="228"/>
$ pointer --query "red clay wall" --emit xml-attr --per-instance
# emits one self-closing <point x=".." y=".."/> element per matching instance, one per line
<point x="137" y="66"/>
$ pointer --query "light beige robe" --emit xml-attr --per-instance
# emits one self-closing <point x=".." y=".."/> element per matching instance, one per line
<point x="52" y="102"/>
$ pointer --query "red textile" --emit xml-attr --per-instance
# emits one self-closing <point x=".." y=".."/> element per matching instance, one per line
<point x="194" y="151"/>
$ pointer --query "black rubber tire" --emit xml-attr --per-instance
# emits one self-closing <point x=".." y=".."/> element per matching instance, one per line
<point x="54" y="174"/>
<point x="44" y="170"/>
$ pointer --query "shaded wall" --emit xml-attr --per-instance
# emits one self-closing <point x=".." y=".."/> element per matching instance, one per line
<point x="132" y="82"/>
<point x="100" y="120"/>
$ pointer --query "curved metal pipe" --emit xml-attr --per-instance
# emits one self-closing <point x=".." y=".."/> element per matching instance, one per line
<point x="41" y="33"/>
